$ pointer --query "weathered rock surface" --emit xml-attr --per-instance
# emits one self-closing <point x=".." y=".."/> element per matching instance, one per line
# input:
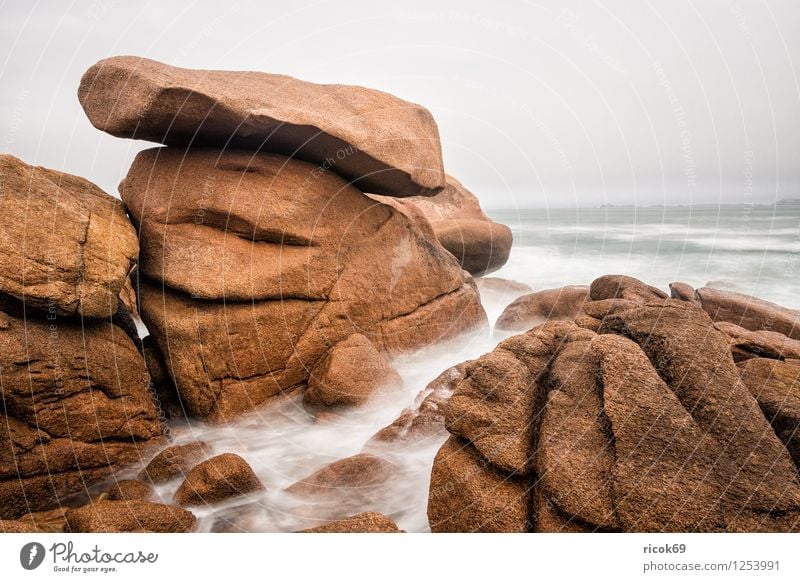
<point x="749" y="312"/>
<point x="256" y="293"/>
<point x="217" y="479"/>
<point x="367" y="522"/>
<point x="384" y="144"/>
<point x="362" y="472"/>
<point x="644" y="426"/>
<point x="623" y="287"/>
<point x="66" y="246"/>
<point x="349" y="373"/>
<point x="469" y="495"/>
<point x="129" y="489"/>
<point x="563" y="303"/>
<point x="175" y="462"/>
<point x="747" y="344"/>
<point x="776" y="387"/>
<point x="460" y="225"/>
<point x="77" y="406"/>
<point x="425" y="419"/>
<point x="130" y="516"/>
<point x="682" y="291"/>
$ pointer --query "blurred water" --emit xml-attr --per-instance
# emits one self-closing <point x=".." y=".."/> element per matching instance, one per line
<point x="753" y="250"/>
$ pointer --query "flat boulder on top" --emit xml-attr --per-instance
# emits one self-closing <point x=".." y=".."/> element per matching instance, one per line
<point x="65" y="245"/>
<point x="254" y="267"/>
<point x="382" y="143"/>
<point x="175" y="461"/>
<point x="77" y="406"/>
<point x="458" y="222"/>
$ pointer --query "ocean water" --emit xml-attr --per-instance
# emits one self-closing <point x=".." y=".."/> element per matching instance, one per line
<point x="751" y="250"/>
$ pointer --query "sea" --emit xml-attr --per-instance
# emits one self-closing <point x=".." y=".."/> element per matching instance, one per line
<point x="748" y="249"/>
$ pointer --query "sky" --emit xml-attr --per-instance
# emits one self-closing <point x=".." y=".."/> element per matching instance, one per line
<point x="539" y="104"/>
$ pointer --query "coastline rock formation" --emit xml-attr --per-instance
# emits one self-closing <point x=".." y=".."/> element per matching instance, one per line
<point x="460" y="225"/>
<point x="645" y="424"/>
<point x="66" y="246"/>
<point x="76" y="393"/>
<point x="130" y="516"/>
<point x="377" y="141"/>
<point x="254" y="267"/>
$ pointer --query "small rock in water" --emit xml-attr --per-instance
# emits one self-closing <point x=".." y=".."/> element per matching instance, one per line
<point x="217" y="479"/>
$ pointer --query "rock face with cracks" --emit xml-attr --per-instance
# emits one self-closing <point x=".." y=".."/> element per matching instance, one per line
<point x="255" y="265"/>
<point x="380" y="142"/>
<point x="77" y="406"/>
<point x="66" y="246"/>
<point x="646" y="424"/>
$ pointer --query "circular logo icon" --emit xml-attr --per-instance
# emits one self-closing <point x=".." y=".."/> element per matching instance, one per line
<point x="31" y="555"/>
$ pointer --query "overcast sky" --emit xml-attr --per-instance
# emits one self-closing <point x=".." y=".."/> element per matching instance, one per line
<point x="538" y="103"/>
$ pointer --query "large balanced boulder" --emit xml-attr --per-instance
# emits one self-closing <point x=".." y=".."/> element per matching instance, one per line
<point x="382" y="143"/>
<point x="255" y="265"/>
<point x="458" y="222"/>
<point x="644" y="426"/>
<point x="65" y="245"/>
<point x="350" y="372"/>
<point x="77" y="406"/>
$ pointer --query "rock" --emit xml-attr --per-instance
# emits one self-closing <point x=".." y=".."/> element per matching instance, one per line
<point x="77" y="406"/>
<point x="602" y="307"/>
<point x="682" y="291"/>
<point x="384" y="144"/>
<point x="66" y="247"/>
<point x="468" y="495"/>
<point x="776" y="387"/>
<point x="758" y="486"/>
<point x="359" y="474"/>
<point x="623" y="287"/>
<point x="424" y="420"/>
<point x="130" y="516"/>
<point x="644" y="426"/>
<point x="367" y="522"/>
<point x="128" y="489"/>
<point x="174" y="462"/>
<point x="16" y="526"/>
<point x="217" y="479"/>
<point x="50" y="521"/>
<point x="747" y="344"/>
<point x="563" y="303"/>
<point x="749" y="312"/>
<point x="460" y="225"/>
<point x="350" y="372"/>
<point x="246" y="302"/>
